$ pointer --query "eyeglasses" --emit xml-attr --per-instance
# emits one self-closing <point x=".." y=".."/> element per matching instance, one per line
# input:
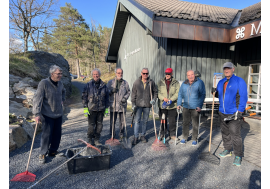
<point x="120" y="73"/>
<point x="145" y="73"/>
<point x="167" y="74"/>
<point x="58" y="73"/>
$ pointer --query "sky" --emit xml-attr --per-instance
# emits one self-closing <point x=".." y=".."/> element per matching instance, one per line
<point x="102" y="11"/>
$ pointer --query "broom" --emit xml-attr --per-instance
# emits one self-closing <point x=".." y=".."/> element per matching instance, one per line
<point x="157" y="145"/>
<point x="112" y="141"/>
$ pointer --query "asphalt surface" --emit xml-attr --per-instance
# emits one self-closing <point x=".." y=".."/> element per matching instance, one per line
<point x="140" y="167"/>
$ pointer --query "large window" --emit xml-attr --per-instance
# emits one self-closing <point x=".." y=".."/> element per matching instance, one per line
<point x="254" y="88"/>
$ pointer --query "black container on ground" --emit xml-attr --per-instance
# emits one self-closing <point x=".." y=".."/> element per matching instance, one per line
<point x="89" y="160"/>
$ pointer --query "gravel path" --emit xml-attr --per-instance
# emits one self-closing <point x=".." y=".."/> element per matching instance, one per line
<point x="140" y="167"/>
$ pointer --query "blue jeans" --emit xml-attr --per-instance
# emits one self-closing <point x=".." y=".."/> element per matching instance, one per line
<point x="138" y="115"/>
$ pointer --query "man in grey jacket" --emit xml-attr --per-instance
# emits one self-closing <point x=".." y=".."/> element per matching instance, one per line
<point x="47" y="104"/>
<point x="121" y="90"/>
<point x="142" y="103"/>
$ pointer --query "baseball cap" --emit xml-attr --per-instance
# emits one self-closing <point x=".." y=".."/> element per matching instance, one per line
<point x="197" y="73"/>
<point x="168" y="70"/>
<point x="228" y="65"/>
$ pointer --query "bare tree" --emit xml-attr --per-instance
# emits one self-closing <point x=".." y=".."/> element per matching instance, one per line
<point x="15" y="44"/>
<point x="29" y="18"/>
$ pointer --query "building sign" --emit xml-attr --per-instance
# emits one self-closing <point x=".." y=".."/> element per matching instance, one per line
<point x="131" y="53"/>
<point x="246" y="31"/>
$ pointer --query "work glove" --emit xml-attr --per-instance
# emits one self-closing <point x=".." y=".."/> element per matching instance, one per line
<point x="86" y="112"/>
<point x="114" y="90"/>
<point x="123" y="101"/>
<point x="106" y="113"/>
<point x="214" y="90"/>
<point x="238" y="116"/>
<point x="166" y="104"/>
<point x="152" y="102"/>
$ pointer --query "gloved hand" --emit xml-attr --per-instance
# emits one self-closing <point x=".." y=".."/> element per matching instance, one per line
<point x="166" y="104"/>
<point x="152" y="102"/>
<point x="123" y="101"/>
<point x="238" y="116"/>
<point x="86" y="112"/>
<point x="214" y="90"/>
<point x="106" y="112"/>
<point x="114" y="90"/>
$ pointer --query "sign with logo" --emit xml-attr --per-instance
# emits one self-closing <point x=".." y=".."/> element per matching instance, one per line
<point x="131" y="53"/>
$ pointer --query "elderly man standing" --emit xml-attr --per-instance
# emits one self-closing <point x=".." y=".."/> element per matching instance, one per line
<point x="95" y="99"/>
<point x="193" y="93"/>
<point x="168" y="89"/>
<point x="232" y="94"/>
<point x="47" y="102"/>
<point x="142" y="103"/>
<point x="121" y="90"/>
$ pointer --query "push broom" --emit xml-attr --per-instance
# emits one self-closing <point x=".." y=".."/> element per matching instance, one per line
<point x="112" y="141"/>
<point x="157" y="145"/>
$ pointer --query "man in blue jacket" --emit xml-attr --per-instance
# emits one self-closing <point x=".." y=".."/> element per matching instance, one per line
<point x="192" y="91"/>
<point x="232" y="94"/>
<point x="95" y="99"/>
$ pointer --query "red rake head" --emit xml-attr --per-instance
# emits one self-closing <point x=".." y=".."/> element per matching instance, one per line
<point x="112" y="142"/>
<point x="24" y="177"/>
<point x="158" y="145"/>
<point x="89" y="145"/>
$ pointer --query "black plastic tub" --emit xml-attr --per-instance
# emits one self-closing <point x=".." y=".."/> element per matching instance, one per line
<point x="89" y="160"/>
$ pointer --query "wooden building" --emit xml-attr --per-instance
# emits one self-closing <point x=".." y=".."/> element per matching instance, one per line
<point x="183" y="35"/>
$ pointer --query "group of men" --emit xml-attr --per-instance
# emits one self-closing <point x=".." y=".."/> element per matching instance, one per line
<point x="172" y="99"/>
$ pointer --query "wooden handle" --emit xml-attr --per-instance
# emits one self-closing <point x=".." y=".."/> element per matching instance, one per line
<point x="153" y="111"/>
<point x="113" y="107"/>
<point x="212" y="114"/>
<point x="31" y="147"/>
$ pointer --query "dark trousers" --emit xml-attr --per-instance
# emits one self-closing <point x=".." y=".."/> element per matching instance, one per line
<point x="121" y="123"/>
<point x="231" y="134"/>
<point x="171" y="115"/>
<point x="51" y="134"/>
<point x="95" y="124"/>
<point x="190" y="115"/>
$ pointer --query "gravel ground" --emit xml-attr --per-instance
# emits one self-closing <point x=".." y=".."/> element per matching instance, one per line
<point x="140" y="167"/>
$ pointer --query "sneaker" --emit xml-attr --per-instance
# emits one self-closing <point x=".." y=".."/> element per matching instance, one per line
<point x="42" y="159"/>
<point x="237" y="161"/>
<point x="225" y="153"/>
<point x="53" y="154"/>
<point x="97" y="143"/>
<point x="134" y="142"/>
<point x="183" y="141"/>
<point x="143" y="139"/>
<point x="194" y="143"/>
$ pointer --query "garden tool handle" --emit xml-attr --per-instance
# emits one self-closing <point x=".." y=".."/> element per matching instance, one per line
<point x="212" y="114"/>
<point x="150" y="83"/>
<point x="31" y="147"/>
<point x="113" y="108"/>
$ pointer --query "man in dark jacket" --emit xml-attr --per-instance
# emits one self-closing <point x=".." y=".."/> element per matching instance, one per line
<point x="168" y="89"/>
<point x="47" y="105"/>
<point x="95" y="99"/>
<point x="232" y="94"/>
<point x="192" y="91"/>
<point x="121" y="90"/>
<point x="142" y="103"/>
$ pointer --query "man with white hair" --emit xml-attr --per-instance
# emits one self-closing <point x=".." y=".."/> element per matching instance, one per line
<point x="121" y="90"/>
<point x="95" y="99"/>
<point x="47" y="104"/>
<point x="193" y="93"/>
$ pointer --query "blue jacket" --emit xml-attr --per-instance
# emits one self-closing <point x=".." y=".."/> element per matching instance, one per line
<point x="193" y="94"/>
<point x="235" y="97"/>
<point x="96" y="99"/>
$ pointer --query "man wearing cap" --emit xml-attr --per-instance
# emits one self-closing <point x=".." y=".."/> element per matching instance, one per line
<point x="168" y="88"/>
<point x="142" y="103"/>
<point x="232" y="94"/>
<point x="192" y="91"/>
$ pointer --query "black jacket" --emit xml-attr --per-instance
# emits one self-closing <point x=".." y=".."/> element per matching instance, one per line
<point x="141" y="97"/>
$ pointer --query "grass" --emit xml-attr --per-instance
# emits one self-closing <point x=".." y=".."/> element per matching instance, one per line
<point x="23" y="66"/>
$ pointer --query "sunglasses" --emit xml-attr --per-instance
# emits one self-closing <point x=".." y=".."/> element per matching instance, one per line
<point x="167" y="74"/>
<point x="145" y="73"/>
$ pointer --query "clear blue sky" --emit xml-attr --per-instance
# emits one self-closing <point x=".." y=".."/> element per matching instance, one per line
<point x="102" y="11"/>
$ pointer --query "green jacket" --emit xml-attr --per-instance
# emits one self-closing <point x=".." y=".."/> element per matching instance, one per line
<point x="173" y="92"/>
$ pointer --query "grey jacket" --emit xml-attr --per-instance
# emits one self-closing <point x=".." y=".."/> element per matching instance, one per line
<point x="123" y="92"/>
<point x="141" y="97"/>
<point x="48" y="99"/>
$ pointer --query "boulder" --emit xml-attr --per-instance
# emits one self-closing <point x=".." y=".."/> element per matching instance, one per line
<point x="17" y="135"/>
<point x="43" y="61"/>
<point x="28" y="129"/>
<point x="11" y="93"/>
<point x="20" y="86"/>
<point x="29" y="91"/>
<point x="14" y="79"/>
<point x="18" y="109"/>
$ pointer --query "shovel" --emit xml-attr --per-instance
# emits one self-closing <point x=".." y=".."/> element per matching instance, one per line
<point x="127" y="143"/>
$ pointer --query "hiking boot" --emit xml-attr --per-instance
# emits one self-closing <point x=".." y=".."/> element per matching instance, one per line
<point x="237" y="161"/>
<point x="143" y="139"/>
<point x="42" y="159"/>
<point x="97" y="143"/>
<point x="225" y="153"/>
<point x="183" y="141"/>
<point x="53" y="154"/>
<point x="135" y="141"/>
<point x="194" y="143"/>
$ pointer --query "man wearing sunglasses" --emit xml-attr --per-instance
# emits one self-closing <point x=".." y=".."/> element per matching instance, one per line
<point x="121" y="90"/>
<point x="168" y="88"/>
<point x="47" y="105"/>
<point x="142" y="103"/>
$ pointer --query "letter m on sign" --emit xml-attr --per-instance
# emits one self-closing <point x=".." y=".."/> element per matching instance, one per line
<point x="254" y="28"/>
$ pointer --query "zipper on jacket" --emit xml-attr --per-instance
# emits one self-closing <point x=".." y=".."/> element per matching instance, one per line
<point x="224" y="96"/>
